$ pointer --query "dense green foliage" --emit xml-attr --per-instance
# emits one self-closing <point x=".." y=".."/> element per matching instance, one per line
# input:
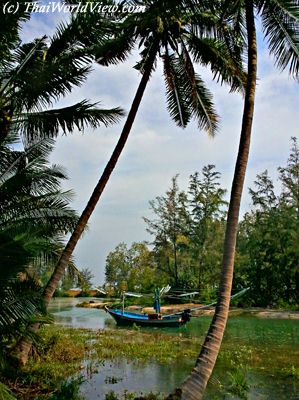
<point x="187" y="229"/>
<point x="76" y="278"/>
<point x="268" y="251"/>
<point x="132" y="268"/>
<point x="34" y="216"/>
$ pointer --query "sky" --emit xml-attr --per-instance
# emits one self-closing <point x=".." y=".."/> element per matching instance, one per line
<point x="157" y="149"/>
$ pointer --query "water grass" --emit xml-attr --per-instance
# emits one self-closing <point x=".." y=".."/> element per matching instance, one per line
<point x="63" y="353"/>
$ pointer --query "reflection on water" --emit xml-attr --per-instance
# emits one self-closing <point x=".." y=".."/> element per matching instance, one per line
<point x="134" y="377"/>
<point x="277" y="338"/>
<point x="66" y="312"/>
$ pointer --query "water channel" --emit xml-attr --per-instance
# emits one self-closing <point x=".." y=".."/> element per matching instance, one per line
<point x="271" y="344"/>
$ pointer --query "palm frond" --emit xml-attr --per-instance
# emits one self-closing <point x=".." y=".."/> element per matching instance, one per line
<point x="13" y="256"/>
<point x="21" y="305"/>
<point x="35" y="156"/>
<point x="82" y="31"/>
<point x="10" y="28"/>
<point x="49" y="73"/>
<point x="175" y="96"/>
<point x="215" y="54"/>
<point x="198" y="96"/>
<point x="20" y="300"/>
<point x="42" y="216"/>
<point x="187" y="95"/>
<point x="281" y="28"/>
<point x="33" y="209"/>
<point x="205" y="22"/>
<point x="22" y="64"/>
<point x="47" y="123"/>
<point x="43" y="83"/>
<point x="114" y="50"/>
<point x="32" y="215"/>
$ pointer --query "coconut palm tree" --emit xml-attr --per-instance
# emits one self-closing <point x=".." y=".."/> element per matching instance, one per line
<point x="280" y="20"/>
<point x="34" y="215"/>
<point x="175" y="32"/>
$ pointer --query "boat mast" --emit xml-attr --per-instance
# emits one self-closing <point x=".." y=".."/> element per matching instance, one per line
<point x="123" y="302"/>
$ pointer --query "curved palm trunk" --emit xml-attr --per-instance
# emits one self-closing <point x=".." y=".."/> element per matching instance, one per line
<point x="21" y="351"/>
<point x="194" y="386"/>
<point x="69" y="248"/>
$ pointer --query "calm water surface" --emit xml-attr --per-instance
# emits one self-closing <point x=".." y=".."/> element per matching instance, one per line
<point x="66" y="313"/>
<point x="272" y="345"/>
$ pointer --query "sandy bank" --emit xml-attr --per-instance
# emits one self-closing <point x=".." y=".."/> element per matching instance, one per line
<point x="278" y="314"/>
<point x="94" y="304"/>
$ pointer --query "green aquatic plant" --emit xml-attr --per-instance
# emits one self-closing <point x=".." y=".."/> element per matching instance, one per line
<point x="238" y="383"/>
<point x="112" y="379"/>
<point x="69" y="390"/>
<point x="111" y="395"/>
<point x="126" y="395"/>
<point x="291" y="371"/>
<point x="136" y="327"/>
<point x="5" y="393"/>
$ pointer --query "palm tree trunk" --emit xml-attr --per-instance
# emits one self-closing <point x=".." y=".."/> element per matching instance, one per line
<point x="22" y="349"/>
<point x="194" y="386"/>
<point x="68" y="250"/>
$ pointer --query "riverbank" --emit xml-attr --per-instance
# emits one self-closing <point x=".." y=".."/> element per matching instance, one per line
<point x="174" y="308"/>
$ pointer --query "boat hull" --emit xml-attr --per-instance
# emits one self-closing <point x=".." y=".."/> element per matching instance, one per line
<point x="129" y="319"/>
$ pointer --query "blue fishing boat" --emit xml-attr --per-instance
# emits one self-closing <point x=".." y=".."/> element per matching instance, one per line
<point x="156" y="319"/>
<point x="149" y="320"/>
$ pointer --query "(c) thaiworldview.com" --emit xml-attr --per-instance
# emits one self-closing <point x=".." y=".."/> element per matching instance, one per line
<point x="12" y="7"/>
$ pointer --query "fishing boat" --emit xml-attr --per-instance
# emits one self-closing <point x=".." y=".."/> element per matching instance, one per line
<point x="156" y="319"/>
<point x="149" y="320"/>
